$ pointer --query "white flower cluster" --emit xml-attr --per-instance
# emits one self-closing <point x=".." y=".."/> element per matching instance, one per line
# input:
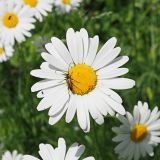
<point x="17" y="19"/>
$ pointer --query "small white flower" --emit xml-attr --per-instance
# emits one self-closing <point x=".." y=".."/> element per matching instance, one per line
<point x="47" y="152"/>
<point x="66" y="5"/>
<point x="38" y="7"/>
<point x="12" y="156"/>
<point x="79" y="80"/>
<point x="139" y="133"/>
<point x="6" y="51"/>
<point x="15" y="22"/>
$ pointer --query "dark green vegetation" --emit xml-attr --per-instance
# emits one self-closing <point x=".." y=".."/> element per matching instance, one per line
<point x="135" y="23"/>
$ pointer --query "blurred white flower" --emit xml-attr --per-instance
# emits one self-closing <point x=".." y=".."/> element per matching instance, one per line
<point x="12" y="156"/>
<point x="6" y="51"/>
<point x="78" y="79"/>
<point x="38" y="7"/>
<point x="47" y="152"/>
<point x="15" y="22"/>
<point x="66" y="5"/>
<point x="139" y="133"/>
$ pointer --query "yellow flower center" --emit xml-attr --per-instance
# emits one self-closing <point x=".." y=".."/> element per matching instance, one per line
<point x="81" y="79"/>
<point x="10" y="20"/>
<point x="31" y="3"/>
<point x="1" y="51"/>
<point x="138" y="132"/>
<point x="66" y="1"/>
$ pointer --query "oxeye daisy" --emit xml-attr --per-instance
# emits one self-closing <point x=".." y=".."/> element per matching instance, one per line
<point x="79" y="80"/>
<point x="40" y="8"/>
<point x="6" y="51"/>
<point x="12" y="156"/>
<point x="66" y="5"/>
<point x="46" y="151"/>
<point x="15" y="22"/>
<point x="139" y="132"/>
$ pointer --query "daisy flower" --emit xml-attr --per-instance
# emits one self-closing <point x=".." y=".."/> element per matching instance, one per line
<point x="15" y="22"/>
<point x="139" y="133"/>
<point x="46" y="151"/>
<point x="38" y="7"/>
<point x="12" y="156"/>
<point x="79" y="80"/>
<point x="66" y="5"/>
<point x="6" y="51"/>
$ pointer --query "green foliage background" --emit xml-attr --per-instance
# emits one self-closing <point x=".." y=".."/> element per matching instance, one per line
<point x="135" y="23"/>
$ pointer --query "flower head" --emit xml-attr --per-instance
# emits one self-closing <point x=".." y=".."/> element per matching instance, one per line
<point x="139" y="133"/>
<point x="6" y="51"/>
<point x="12" y="156"/>
<point x="46" y="151"/>
<point x="66" y="5"/>
<point x="38" y="7"/>
<point x="79" y="80"/>
<point x="15" y="22"/>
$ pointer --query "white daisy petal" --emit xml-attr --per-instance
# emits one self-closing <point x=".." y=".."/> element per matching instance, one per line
<point x="71" y="42"/>
<point x="71" y="109"/>
<point x="107" y="58"/>
<point x="113" y="73"/>
<point x="118" y="83"/>
<point x="53" y="60"/>
<point x="62" y="50"/>
<point x="108" y="46"/>
<point x="27" y="157"/>
<point x="47" y="101"/>
<point x="85" y="40"/>
<point x="54" y="119"/>
<point x="93" y="47"/>
<point x="81" y="116"/>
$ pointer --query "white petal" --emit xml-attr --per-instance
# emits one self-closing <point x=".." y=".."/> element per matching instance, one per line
<point x="47" y="101"/>
<point x="81" y="116"/>
<point x="85" y="39"/>
<point x="71" y="43"/>
<point x="61" y="148"/>
<point x="28" y="157"/>
<point x="109" y="45"/>
<point x="62" y="50"/>
<point x="111" y="93"/>
<point x="116" y="63"/>
<point x="93" y="47"/>
<point x="59" y="104"/>
<point x="45" y="84"/>
<point x="112" y="73"/>
<point x="99" y="63"/>
<point x="118" y="83"/>
<point x="45" y="74"/>
<point x="80" y="46"/>
<point x="54" y="119"/>
<point x="71" y="109"/>
<point x="53" y="60"/>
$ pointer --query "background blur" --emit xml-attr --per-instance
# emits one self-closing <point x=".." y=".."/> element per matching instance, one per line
<point x="135" y="23"/>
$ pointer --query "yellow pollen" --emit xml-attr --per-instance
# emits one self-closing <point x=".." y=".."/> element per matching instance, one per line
<point x="1" y="51"/>
<point x="66" y="1"/>
<point x="138" y="132"/>
<point x="81" y="79"/>
<point x="31" y="3"/>
<point x="10" y="20"/>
